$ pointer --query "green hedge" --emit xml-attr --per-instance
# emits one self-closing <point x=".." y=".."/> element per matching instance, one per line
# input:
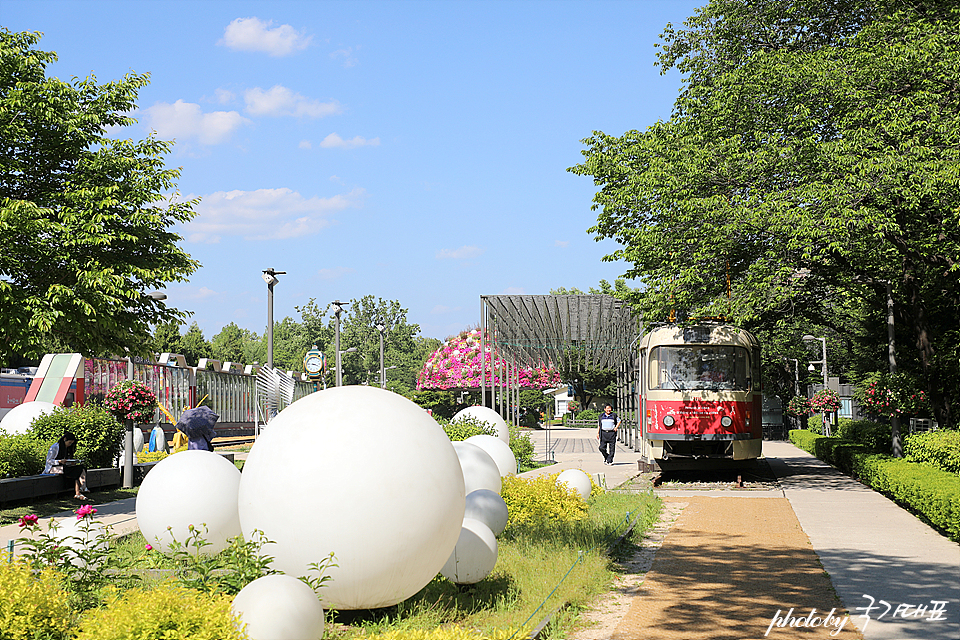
<point x="21" y="455"/>
<point x="931" y="492"/>
<point x="939" y="448"/>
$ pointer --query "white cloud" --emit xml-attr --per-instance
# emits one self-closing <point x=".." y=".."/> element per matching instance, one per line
<point x="441" y="309"/>
<point x="265" y="214"/>
<point x="305" y="144"/>
<point x="561" y="243"/>
<point x="349" y="60"/>
<point x="224" y="96"/>
<point x="513" y="291"/>
<point x="281" y="101"/>
<point x="186" y="120"/>
<point x="463" y="253"/>
<point x="253" y="34"/>
<point x="335" y="273"/>
<point x="333" y="141"/>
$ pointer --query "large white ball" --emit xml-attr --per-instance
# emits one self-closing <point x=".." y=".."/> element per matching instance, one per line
<point x="489" y="508"/>
<point x="499" y="451"/>
<point x="279" y="607"/>
<point x="488" y="415"/>
<point x="19" y="419"/>
<point x="479" y="469"/>
<point x="190" y="488"/>
<point x="577" y="480"/>
<point x="363" y="473"/>
<point x="475" y="555"/>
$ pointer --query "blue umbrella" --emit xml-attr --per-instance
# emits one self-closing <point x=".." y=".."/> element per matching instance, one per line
<point x="197" y="424"/>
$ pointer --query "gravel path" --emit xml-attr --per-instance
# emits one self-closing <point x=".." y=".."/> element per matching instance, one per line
<point x="726" y="566"/>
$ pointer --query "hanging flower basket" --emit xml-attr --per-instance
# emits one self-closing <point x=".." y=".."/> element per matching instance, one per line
<point x="825" y="401"/>
<point x="131" y="400"/>
<point x="798" y="406"/>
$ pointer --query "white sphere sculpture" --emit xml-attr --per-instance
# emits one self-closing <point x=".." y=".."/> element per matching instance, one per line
<point x="479" y="469"/>
<point x="577" y="480"/>
<point x="489" y="508"/>
<point x="499" y="451"/>
<point x="137" y="440"/>
<point x="190" y="488"/>
<point x="279" y="607"/>
<point x="475" y="555"/>
<point x="19" y="419"/>
<point x="488" y="415"/>
<point x="384" y="489"/>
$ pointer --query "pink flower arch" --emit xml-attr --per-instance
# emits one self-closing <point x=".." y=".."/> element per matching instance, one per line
<point x="457" y="364"/>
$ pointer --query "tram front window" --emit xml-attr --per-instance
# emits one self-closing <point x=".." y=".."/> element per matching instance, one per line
<point x="700" y="367"/>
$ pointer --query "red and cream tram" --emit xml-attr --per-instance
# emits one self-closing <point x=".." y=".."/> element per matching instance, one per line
<point x="700" y="396"/>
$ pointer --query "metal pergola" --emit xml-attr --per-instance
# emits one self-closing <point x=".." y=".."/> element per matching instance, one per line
<point x="585" y="332"/>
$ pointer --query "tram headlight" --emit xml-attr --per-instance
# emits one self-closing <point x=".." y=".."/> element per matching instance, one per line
<point x="726" y="421"/>
<point x="668" y="421"/>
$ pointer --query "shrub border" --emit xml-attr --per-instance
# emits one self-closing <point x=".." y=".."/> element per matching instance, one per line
<point x="927" y="491"/>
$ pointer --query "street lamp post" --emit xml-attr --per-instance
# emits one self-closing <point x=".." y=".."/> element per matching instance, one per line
<point x="339" y="305"/>
<point x="823" y="342"/>
<point x="339" y="372"/>
<point x="270" y="277"/>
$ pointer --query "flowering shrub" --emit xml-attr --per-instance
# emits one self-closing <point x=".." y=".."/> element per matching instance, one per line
<point x="99" y="433"/>
<point x="883" y="394"/>
<point x="541" y="499"/>
<point x="131" y="400"/>
<point x="458" y="365"/>
<point x="32" y="605"/>
<point x="825" y="401"/>
<point x="798" y="406"/>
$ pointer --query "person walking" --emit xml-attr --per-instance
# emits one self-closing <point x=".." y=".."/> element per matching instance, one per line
<point x="607" y="434"/>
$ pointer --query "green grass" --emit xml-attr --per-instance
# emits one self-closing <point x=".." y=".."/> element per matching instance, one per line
<point x="48" y="506"/>
<point x="532" y="562"/>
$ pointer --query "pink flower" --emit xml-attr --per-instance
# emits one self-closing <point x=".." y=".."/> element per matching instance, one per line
<point x="28" y="521"/>
<point x="84" y="511"/>
<point x="149" y="547"/>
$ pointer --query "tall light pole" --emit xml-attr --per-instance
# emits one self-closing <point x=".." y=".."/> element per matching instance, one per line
<point x="339" y="373"/>
<point x="270" y="277"/>
<point x="823" y="362"/>
<point x="383" y="374"/>
<point x="339" y="305"/>
<point x="823" y="341"/>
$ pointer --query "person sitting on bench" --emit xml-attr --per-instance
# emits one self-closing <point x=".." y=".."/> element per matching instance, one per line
<point x="60" y="460"/>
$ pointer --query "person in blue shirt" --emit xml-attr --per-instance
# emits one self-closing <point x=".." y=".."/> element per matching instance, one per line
<point x="607" y="435"/>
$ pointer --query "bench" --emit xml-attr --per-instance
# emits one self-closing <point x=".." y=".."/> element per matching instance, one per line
<point x="27" y="487"/>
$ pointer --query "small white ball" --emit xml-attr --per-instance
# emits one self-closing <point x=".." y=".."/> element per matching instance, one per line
<point x="19" y="419"/>
<point x="499" y="451"/>
<point x="577" y="480"/>
<point x="479" y="469"/>
<point x="279" y="607"/>
<point x="486" y="414"/>
<point x="475" y="555"/>
<point x="489" y="508"/>
<point x="190" y="488"/>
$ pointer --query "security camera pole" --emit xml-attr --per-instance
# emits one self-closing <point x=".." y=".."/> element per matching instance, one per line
<point x="270" y="277"/>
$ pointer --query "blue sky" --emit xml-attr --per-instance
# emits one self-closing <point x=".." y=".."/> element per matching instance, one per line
<point x="415" y="151"/>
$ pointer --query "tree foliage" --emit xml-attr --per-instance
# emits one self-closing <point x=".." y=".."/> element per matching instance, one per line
<point x="812" y="157"/>
<point x="84" y="218"/>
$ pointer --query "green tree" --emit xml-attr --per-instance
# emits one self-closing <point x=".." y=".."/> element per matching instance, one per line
<point x="166" y="337"/>
<point x="811" y="158"/>
<point x="227" y="346"/>
<point x="84" y="218"/>
<point x="193" y="345"/>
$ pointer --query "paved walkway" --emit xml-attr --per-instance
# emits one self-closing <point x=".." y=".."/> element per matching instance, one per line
<point x="875" y="552"/>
